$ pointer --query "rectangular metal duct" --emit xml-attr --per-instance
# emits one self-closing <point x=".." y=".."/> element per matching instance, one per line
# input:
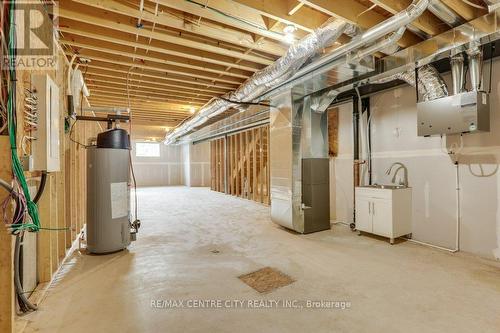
<point x="461" y="113"/>
<point x="297" y="135"/>
<point x="255" y="115"/>
<point x="484" y="29"/>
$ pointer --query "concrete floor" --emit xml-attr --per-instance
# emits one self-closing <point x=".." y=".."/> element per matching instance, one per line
<point x="400" y="288"/>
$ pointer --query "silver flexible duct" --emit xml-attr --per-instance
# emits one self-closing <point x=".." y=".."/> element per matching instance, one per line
<point x="270" y="76"/>
<point x="401" y="19"/>
<point x="288" y="65"/>
<point x="430" y="84"/>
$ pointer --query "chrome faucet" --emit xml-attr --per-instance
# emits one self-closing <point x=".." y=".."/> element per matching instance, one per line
<point x="401" y="166"/>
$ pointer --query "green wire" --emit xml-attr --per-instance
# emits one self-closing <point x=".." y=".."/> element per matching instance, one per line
<point x="16" y="164"/>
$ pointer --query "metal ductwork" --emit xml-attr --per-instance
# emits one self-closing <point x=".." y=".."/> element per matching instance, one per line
<point x="401" y="19"/>
<point x="445" y="14"/>
<point x="492" y="5"/>
<point x="457" y="73"/>
<point x="475" y="63"/>
<point x="288" y="65"/>
<point x="462" y="112"/>
<point x="270" y="76"/>
<point x="386" y="45"/>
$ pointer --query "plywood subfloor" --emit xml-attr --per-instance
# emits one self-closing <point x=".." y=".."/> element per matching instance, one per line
<point x="194" y="244"/>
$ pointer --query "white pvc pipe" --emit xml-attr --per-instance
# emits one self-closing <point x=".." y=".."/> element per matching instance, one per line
<point x="459" y="210"/>
<point x="431" y="245"/>
<point x="70" y="70"/>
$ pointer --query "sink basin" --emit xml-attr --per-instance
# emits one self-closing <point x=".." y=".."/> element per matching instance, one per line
<point x="386" y="187"/>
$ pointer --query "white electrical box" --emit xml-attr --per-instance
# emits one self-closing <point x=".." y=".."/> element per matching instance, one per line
<point x="45" y="149"/>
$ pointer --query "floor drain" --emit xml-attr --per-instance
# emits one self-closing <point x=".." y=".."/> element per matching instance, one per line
<point x="266" y="279"/>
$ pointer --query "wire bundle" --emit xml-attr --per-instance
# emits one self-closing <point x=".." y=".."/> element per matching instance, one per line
<point x="17" y="168"/>
<point x="30" y="118"/>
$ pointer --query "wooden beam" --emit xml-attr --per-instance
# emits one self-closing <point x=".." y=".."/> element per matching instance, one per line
<point x="112" y="70"/>
<point x="206" y="29"/>
<point x="105" y="22"/>
<point x="294" y="6"/>
<point x="148" y="66"/>
<point x="145" y="97"/>
<point x="7" y="309"/>
<point x="145" y="110"/>
<point x="136" y="89"/>
<point x="173" y="106"/>
<point x="466" y="11"/>
<point x="146" y="85"/>
<point x="162" y="64"/>
<point x="308" y="19"/>
<point x="354" y="12"/>
<point x="427" y="22"/>
<point x="175" y="58"/>
<point x="45" y="259"/>
<point x="240" y="17"/>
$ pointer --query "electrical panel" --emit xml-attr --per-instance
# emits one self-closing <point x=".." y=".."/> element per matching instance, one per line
<point x="45" y="149"/>
<point x="466" y="112"/>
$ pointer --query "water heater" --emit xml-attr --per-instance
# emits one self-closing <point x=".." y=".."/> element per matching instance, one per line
<point x="108" y="193"/>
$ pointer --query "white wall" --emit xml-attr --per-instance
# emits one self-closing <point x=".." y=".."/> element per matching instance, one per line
<point x="431" y="171"/>
<point x="196" y="159"/>
<point x="166" y="170"/>
<point x="177" y="165"/>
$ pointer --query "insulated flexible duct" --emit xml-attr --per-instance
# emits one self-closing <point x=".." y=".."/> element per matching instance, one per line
<point x="430" y="83"/>
<point x="289" y="65"/>
<point x="270" y="76"/>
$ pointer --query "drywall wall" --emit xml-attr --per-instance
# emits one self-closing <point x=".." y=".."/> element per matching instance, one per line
<point x="177" y="165"/>
<point x="341" y="168"/>
<point x="432" y="174"/>
<point x="196" y="164"/>
<point x="166" y="170"/>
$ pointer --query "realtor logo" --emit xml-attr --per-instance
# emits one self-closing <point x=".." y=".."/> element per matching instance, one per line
<point x="33" y="37"/>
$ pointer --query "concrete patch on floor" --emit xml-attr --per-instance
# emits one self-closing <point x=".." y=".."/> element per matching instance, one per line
<point x="266" y="280"/>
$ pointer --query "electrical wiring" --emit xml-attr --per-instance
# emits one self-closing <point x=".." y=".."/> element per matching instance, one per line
<point x="24" y="304"/>
<point x="136" y="219"/>
<point x="81" y="113"/>
<point x="71" y="135"/>
<point x="17" y="168"/>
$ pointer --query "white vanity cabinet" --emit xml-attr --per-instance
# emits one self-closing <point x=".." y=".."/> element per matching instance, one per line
<point x="384" y="211"/>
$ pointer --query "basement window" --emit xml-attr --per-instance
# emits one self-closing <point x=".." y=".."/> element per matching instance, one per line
<point x="147" y="149"/>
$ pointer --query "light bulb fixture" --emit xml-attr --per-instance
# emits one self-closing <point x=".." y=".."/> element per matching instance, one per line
<point x="192" y="110"/>
<point x="289" y="31"/>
